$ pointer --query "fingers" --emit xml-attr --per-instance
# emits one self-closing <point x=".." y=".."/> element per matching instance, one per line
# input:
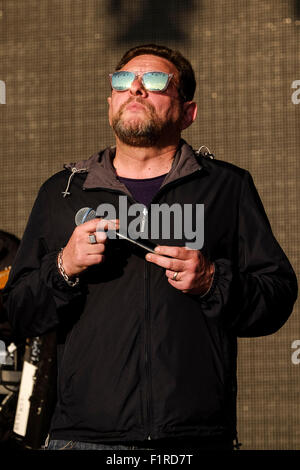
<point x="103" y="224"/>
<point x="99" y="246"/>
<point x="80" y="251"/>
<point x="98" y="228"/>
<point x="174" y="275"/>
<point x="98" y="224"/>
<point x="178" y="252"/>
<point x="186" y="270"/>
<point x="181" y="280"/>
<point x="101" y="238"/>
<point x="171" y="264"/>
<point x="174" y="258"/>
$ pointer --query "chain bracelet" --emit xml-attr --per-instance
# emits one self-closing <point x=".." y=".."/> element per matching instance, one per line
<point x="63" y="272"/>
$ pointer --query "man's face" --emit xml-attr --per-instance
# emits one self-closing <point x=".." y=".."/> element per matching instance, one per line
<point x="143" y="118"/>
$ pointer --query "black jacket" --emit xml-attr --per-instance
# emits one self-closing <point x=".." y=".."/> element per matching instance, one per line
<point x="136" y="357"/>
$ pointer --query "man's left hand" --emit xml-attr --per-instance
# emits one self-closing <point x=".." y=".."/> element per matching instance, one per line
<point x="194" y="272"/>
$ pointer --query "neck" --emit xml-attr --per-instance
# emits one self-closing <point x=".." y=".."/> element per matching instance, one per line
<point x="143" y="162"/>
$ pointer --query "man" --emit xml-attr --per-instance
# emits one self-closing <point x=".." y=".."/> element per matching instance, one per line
<point x="147" y="343"/>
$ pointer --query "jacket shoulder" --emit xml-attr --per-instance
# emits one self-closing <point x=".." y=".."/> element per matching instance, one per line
<point x="55" y="181"/>
<point x="221" y="166"/>
<point x="64" y="178"/>
<point x="58" y="185"/>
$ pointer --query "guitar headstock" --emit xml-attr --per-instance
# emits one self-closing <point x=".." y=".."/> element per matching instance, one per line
<point x="4" y="276"/>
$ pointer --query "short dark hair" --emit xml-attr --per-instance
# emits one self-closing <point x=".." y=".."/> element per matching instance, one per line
<point x="187" y="81"/>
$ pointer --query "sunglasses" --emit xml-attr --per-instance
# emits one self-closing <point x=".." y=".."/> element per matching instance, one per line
<point x="152" y="81"/>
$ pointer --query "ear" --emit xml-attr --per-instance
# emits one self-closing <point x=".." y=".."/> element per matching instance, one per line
<point x="189" y="114"/>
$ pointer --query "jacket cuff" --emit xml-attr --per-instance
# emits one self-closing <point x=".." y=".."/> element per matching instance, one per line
<point x="212" y="285"/>
<point x="213" y="301"/>
<point x="61" y="291"/>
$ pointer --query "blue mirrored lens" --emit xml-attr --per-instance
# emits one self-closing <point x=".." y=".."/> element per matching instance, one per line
<point x="152" y="81"/>
<point x="155" y="81"/>
<point x="121" y="81"/>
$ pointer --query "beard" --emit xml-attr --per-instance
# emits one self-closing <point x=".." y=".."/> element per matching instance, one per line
<point x="139" y="133"/>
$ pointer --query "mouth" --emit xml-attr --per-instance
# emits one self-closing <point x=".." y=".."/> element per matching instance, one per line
<point x="134" y="106"/>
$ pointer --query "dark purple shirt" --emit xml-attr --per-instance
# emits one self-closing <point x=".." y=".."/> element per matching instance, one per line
<point x="143" y="190"/>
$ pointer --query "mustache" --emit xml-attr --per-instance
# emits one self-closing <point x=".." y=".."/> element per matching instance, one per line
<point x="137" y="100"/>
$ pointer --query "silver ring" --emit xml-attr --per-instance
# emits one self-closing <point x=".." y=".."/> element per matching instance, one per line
<point x="175" y="276"/>
<point x="92" y="239"/>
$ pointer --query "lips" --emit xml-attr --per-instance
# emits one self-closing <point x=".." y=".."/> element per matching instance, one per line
<point x="134" y="106"/>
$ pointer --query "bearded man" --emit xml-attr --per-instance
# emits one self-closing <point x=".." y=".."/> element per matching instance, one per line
<point x="147" y="339"/>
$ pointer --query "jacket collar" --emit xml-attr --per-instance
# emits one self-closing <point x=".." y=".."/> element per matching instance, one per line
<point x="101" y="173"/>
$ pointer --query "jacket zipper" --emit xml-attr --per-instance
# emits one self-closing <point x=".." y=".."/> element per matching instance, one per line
<point x="148" y="325"/>
<point x="148" y="355"/>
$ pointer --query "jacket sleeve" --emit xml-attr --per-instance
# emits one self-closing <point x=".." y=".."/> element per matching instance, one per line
<point x="254" y="296"/>
<point x="36" y="292"/>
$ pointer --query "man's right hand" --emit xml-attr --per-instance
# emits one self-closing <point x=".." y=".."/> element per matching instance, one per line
<point x="80" y="253"/>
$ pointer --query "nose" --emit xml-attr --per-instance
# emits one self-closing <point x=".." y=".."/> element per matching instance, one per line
<point x="137" y="87"/>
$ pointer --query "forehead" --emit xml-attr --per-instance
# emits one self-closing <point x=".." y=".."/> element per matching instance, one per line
<point x="150" y="63"/>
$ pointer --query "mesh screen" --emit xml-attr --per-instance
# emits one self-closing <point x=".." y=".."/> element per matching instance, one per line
<point x="54" y="60"/>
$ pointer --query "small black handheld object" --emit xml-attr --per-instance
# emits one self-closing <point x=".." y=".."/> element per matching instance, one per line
<point x="86" y="213"/>
<point x="145" y="244"/>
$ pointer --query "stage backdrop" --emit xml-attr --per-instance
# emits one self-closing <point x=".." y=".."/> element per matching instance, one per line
<point x="55" y="56"/>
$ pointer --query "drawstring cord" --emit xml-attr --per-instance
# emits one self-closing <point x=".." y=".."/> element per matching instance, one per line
<point x="74" y="170"/>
